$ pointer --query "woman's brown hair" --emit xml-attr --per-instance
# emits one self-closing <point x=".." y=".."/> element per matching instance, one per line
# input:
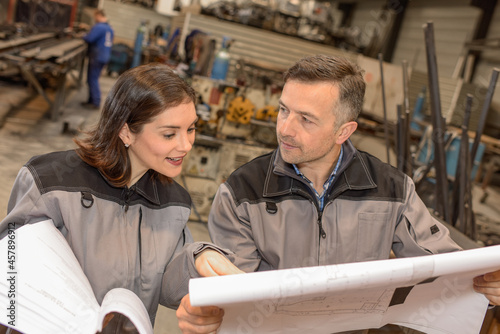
<point x="138" y="96"/>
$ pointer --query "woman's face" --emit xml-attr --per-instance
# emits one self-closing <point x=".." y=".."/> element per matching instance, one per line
<point x="163" y="143"/>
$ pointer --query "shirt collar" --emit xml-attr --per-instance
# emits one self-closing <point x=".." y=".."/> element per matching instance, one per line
<point x="330" y="179"/>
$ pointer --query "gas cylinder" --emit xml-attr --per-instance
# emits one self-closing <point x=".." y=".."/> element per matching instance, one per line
<point x="221" y="61"/>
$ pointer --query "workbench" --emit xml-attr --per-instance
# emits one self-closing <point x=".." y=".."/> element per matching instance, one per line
<point x="46" y="55"/>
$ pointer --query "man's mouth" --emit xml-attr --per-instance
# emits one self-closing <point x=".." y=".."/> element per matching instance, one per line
<point x="287" y="145"/>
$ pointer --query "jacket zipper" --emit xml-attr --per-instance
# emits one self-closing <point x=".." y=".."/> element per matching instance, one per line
<point x="322" y="233"/>
<point x="128" y="194"/>
<point x="140" y="239"/>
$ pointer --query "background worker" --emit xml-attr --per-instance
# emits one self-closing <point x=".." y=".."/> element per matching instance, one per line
<point x="100" y="41"/>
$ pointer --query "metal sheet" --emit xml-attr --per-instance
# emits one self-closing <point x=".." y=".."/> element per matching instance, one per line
<point x="453" y="27"/>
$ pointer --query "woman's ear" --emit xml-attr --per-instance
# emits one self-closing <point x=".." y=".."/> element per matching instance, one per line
<point x="126" y="135"/>
<point x="345" y="131"/>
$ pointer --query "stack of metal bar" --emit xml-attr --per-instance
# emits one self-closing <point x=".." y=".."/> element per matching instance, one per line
<point x="452" y="201"/>
<point x="44" y="60"/>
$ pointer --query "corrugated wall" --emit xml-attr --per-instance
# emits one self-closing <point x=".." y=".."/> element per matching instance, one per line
<point x="126" y="18"/>
<point x="255" y="44"/>
<point x="489" y="60"/>
<point x="453" y="27"/>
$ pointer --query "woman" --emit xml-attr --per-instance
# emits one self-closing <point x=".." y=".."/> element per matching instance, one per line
<point x="114" y="200"/>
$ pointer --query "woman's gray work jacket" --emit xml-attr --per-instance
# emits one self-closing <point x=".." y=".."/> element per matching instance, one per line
<point x="134" y="238"/>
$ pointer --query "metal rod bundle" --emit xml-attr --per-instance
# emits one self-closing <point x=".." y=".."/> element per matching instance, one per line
<point x="407" y="165"/>
<point x="386" y="126"/>
<point x="442" y="206"/>
<point x="463" y="216"/>
<point x="484" y="112"/>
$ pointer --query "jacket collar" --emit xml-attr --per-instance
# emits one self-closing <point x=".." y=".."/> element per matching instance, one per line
<point x="147" y="187"/>
<point x="353" y="174"/>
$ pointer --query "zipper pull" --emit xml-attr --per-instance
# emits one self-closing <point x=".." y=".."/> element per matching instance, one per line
<point x="322" y="232"/>
<point x="128" y="194"/>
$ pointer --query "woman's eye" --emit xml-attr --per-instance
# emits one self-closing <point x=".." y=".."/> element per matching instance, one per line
<point x="193" y="129"/>
<point x="169" y="136"/>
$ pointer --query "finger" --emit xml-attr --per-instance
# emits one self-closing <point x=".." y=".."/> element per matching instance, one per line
<point x="204" y="267"/>
<point x="200" y="311"/>
<point x="223" y="266"/>
<point x="493" y="299"/>
<point x="482" y="281"/>
<point x="188" y="328"/>
<point x="493" y="294"/>
<point x="492" y="276"/>
<point x="198" y="319"/>
<point x="212" y="263"/>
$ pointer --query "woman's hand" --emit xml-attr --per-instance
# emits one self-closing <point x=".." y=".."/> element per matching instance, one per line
<point x="205" y="319"/>
<point x="212" y="263"/>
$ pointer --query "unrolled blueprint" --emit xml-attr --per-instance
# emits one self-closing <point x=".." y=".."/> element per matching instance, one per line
<point x="432" y="294"/>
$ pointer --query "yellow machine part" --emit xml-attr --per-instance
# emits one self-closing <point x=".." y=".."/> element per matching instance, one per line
<point x="240" y="110"/>
<point x="268" y="113"/>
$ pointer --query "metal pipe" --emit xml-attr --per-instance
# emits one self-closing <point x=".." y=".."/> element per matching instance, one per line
<point x="484" y="112"/>
<point x="408" y="168"/>
<point x="437" y="123"/>
<point x="462" y="177"/>
<point x="386" y="126"/>
<point x="400" y="140"/>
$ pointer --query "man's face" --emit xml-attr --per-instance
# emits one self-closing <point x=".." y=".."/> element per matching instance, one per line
<point x="306" y="128"/>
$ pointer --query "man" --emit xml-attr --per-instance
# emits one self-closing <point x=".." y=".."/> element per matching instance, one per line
<point x="316" y="200"/>
<point x="100" y="41"/>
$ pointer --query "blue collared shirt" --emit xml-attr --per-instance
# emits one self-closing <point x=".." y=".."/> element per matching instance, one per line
<point x="327" y="184"/>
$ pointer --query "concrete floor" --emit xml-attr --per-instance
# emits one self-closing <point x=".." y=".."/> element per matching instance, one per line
<point x="21" y="138"/>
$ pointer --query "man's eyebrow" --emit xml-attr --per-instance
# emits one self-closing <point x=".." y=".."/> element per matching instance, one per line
<point x="303" y="113"/>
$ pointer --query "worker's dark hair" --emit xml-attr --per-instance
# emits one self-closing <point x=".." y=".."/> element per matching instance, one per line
<point x="138" y="96"/>
<point x="347" y="76"/>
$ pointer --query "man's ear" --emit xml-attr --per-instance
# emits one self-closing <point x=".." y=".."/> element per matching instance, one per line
<point x="126" y="135"/>
<point x="345" y="131"/>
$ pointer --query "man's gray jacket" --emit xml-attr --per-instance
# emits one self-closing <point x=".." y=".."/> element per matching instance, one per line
<point x="269" y="216"/>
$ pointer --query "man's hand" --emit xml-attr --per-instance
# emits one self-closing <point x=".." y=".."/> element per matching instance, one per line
<point x="489" y="285"/>
<point x="206" y="319"/>
<point x="194" y="319"/>
<point x="212" y="263"/>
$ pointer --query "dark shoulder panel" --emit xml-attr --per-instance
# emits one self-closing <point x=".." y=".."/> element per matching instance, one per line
<point x="63" y="170"/>
<point x="390" y="182"/>
<point x="173" y="193"/>
<point x="66" y="171"/>
<point x="247" y="182"/>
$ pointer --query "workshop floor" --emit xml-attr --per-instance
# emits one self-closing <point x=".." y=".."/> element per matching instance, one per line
<point x="23" y="137"/>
